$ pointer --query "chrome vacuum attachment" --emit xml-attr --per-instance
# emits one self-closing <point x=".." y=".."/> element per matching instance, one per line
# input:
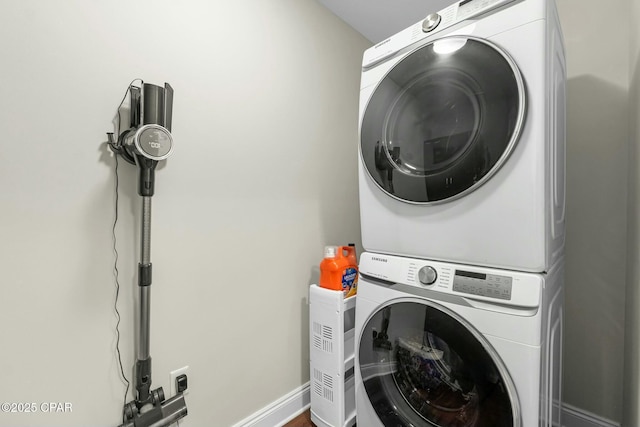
<point x="147" y="141"/>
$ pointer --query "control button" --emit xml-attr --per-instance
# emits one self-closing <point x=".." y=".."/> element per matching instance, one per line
<point x="427" y="275"/>
<point x="431" y="22"/>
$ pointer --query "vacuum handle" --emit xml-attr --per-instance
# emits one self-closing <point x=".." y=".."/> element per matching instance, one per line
<point x="168" y="106"/>
<point x="146" y="176"/>
<point x="135" y="113"/>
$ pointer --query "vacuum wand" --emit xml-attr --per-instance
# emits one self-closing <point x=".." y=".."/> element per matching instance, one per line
<point x="143" y="363"/>
<point x="148" y="141"/>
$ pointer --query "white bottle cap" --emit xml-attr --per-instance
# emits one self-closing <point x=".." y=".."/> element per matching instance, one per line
<point x="330" y="251"/>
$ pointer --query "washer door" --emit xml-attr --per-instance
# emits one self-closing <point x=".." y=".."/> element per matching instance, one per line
<point x="443" y="120"/>
<point x="421" y="364"/>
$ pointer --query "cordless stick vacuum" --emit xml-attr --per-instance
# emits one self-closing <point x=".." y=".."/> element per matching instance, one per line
<point x="147" y="141"/>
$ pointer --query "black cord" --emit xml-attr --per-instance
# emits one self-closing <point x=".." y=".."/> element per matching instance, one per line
<point x="116" y="273"/>
<point x="115" y="249"/>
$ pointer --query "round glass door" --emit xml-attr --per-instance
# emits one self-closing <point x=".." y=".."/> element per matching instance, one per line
<point x="422" y="365"/>
<point x="443" y="120"/>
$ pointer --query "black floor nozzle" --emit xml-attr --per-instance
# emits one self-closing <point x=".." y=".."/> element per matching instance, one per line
<point x="160" y="414"/>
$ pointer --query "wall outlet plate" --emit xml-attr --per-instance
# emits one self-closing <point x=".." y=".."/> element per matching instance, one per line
<point x="172" y="380"/>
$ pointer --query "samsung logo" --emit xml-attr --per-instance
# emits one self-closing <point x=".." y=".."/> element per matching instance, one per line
<point x="373" y="258"/>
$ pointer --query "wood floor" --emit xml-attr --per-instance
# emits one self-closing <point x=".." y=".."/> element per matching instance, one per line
<point x="302" y="420"/>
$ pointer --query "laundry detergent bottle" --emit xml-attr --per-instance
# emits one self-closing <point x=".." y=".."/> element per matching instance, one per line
<point x="339" y="269"/>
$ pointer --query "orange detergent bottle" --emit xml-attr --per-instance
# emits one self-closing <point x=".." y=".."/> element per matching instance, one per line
<point x="339" y="269"/>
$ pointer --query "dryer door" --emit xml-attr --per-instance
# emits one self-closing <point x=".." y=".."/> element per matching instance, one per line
<point x="421" y="364"/>
<point x="443" y="120"/>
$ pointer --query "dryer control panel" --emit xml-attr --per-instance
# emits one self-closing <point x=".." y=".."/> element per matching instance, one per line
<point x="434" y="22"/>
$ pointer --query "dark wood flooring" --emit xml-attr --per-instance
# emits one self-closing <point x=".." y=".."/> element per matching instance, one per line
<point x="302" y="420"/>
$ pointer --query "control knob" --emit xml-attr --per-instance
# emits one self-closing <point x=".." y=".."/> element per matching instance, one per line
<point x="427" y="275"/>
<point x="430" y="22"/>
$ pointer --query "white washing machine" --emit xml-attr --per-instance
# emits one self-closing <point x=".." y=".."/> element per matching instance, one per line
<point x="462" y="137"/>
<point x="440" y="344"/>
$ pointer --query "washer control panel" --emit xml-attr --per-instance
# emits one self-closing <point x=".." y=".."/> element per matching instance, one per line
<point x="427" y="275"/>
<point x="505" y="287"/>
<point x="481" y="284"/>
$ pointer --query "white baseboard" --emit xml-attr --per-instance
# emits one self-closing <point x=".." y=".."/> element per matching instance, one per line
<point x="281" y="411"/>
<point x="575" y="417"/>
<point x="294" y="403"/>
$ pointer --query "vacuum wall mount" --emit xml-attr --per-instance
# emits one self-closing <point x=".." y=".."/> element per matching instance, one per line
<point x="147" y="141"/>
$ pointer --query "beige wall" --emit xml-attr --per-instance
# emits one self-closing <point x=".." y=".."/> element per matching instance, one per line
<point x="262" y="177"/>
<point x="632" y="324"/>
<point x="597" y="136"/>
<point x="237" y="225"/>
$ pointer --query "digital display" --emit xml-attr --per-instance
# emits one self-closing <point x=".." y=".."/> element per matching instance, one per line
<point x="486" y="285"/>
<point x="471" y="274"/>
<point x="469" y="8"/>
<point x="155" y="142"/>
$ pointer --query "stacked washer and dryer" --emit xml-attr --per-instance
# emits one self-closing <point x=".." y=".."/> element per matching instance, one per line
<point x="461" y="176"/>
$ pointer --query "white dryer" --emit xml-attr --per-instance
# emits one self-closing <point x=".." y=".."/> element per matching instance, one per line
<point x="462" y="137"/>
<point x="449" y="345"/>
